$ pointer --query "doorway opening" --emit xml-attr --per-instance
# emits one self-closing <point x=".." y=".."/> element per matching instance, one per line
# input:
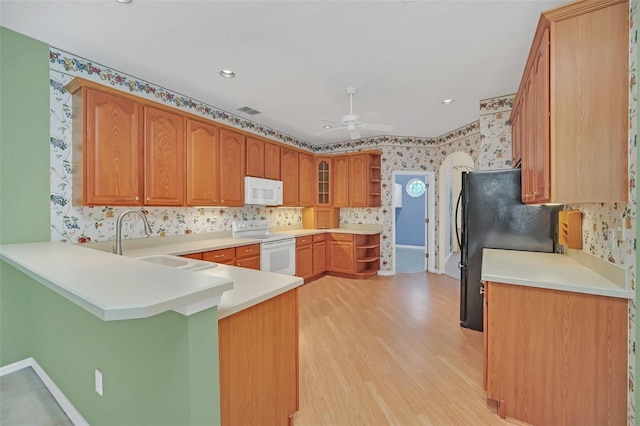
<point x="450" y="175"/>
<point x="413" y="221"/>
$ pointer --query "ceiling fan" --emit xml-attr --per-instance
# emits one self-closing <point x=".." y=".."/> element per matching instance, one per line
<point x="351" y="122"/>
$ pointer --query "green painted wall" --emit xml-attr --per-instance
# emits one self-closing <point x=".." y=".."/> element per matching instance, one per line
<point x="156" y="371"/>
<point x="24" y="176"/>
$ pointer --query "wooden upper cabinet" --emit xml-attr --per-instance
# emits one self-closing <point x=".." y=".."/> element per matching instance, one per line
<point x="340" y="184"/>
<point x="164" y="158"/>
<point x="202" y="164"/>
<point x="271" y="161"/>
<point x="289" y="176"/>
<point x="112" y="143"/>
<point x="255" y="157"/>
<point x="323" y="181"/>
<point x="358" y="180"/>
<point x="577" y="74"/>
<point x="232" y="168"/>
<point x="306" y="173"/>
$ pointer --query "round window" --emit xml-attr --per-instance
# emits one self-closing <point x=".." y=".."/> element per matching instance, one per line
<point x="416" y="187"/>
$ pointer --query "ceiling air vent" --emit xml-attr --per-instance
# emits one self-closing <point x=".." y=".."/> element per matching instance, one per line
<point x="248" y="110"/>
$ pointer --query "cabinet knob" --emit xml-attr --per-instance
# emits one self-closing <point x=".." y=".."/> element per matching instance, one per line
<point x="148" y="198"/>
<point x="137" y="198"/>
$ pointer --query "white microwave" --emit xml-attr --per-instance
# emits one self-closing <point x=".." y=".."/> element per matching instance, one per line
<point x="265" y="192"/>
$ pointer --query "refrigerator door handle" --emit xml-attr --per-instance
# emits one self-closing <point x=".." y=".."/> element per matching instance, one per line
<point x="456" y="224"/>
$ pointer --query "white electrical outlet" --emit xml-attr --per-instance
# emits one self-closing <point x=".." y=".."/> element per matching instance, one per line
<point x="99" y="382"/>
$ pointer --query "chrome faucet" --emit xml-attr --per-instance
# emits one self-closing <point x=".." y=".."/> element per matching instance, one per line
<point x="147" y="227"/>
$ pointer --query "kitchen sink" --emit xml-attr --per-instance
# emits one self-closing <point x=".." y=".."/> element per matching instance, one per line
<point x="179" y="262"/>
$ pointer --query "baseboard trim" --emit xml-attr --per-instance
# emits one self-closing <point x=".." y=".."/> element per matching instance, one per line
<point x="64" y="403"/>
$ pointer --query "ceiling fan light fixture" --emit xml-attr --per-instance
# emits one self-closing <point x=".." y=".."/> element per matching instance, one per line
<point x="227" y="74"/>
<point x="327" y="126"/>
<point x="125" y="1"/>
<point x="447" y="101"/>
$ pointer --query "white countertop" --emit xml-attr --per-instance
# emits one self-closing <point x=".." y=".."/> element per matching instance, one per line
<point x="109" y="286"/>
<point x="250" y="287"/>
<point x="186" y="247"/>
<point x="547" y="270"/>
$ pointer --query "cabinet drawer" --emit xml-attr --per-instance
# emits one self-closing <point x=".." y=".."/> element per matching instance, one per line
<point x="342" y="237"/>
<point x="249" y="262"/>
<point x="197" y="256"/>
<point x="318" y="237"/>
<point x="304" y="241"/>
<point x="220" y="256"/>
<point x="247" y="251"/>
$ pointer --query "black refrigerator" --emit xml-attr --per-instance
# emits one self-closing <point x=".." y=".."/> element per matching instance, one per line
<point x="493" y="216"/>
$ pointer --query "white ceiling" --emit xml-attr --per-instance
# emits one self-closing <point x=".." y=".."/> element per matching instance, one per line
<point x="294" y="59"/>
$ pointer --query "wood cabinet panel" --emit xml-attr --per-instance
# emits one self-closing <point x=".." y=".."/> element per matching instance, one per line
<point x="289" y="176"/>
<point x="358" y="181"/>
<point x="341" y="257"/>
<point x="164" y="158"/>
<point x="255" y="157"/>
<point x="259" y="365"/>
<point x="112" y="143"/>
<point x="249" y="263"/>
<point x="232" y="168"/>
<point x="271" y="161"/>
<point x="323" y="181"/>
<point x="340" y="184"/>
<point x="572" y="122"/>
<point x="569" y="367"/>
<point x="202" y="164"/>
<point x="306" y="185"/>
<point x="244" y="252"/>
<point x="304" y="261"/>
<point x="319" y="257"/>
<point x="197" y="256"/>
<point x="226" y="256"/>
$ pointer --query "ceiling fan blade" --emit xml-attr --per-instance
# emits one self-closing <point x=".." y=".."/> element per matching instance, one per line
<point x="329" y="121"/>
<point x="369" y="116"/>
<point x="380" y="127"/>
<point x="329" y="130"/>
<point x="354" y="133"/>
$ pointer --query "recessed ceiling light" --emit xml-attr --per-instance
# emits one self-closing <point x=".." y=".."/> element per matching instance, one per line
<point x="327" y="126"/>
<point x="447" y="101"/>
<point x="125" y="1"/>
<point x="227" y="74"/>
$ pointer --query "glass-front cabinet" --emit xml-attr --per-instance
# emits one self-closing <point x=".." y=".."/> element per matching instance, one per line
<point x="323" y="181"/>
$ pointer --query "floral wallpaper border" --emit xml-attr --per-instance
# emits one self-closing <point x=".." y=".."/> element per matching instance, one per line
<point x="497" y="104"/>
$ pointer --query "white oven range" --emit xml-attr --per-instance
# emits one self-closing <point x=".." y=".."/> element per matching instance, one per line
<point x="277" y="251"/>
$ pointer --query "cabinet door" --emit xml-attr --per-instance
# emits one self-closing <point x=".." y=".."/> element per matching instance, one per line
<point x="113" y="165"/>
<point x="304" y="258"/>
<point x="202" y="164"/>
<point x="341" y="256"/>
<point x="306" y="168"/>
<point x="249" y="263"/>
<point x="340" y="188"/>
<point x="358" y="181"/>
<point x="271" y="161"/>
<point x="542" y="167"/>
<point x="289" y="176"/>
<point x="323" y="181"/>
<point x="232" y="168"/>
<point x="319" y="257"/>
<point x="224" y="256"/>
<point x="164" y="152"/>
<point x="528" y="153"/>
<point x="516" y="142"/>
<point x="255" y="157"/>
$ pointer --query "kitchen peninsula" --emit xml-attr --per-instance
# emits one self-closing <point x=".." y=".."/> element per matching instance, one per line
<point x="135" y="330"/>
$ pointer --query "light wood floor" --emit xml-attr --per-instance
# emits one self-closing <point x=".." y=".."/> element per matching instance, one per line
<point x="388" y="351"/>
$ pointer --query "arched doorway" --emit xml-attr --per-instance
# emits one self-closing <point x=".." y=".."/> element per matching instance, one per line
<point x="450" y="175"/>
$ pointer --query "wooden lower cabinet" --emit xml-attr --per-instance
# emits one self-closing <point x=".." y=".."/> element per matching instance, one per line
<point x="304" y="257"/>
<point x="244" y="256"/>
<point x="197" y="256"/>
<point x="259" y="365"/>
<point x="319" y="254"/>
<point x="554" y="357"/>
<point x="354" y="255"/>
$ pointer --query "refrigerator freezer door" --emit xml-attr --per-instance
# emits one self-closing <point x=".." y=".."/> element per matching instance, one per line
<point x="494" y="217"/>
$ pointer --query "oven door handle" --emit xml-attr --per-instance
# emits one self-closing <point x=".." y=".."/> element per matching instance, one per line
<point x="278" y="244"/>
